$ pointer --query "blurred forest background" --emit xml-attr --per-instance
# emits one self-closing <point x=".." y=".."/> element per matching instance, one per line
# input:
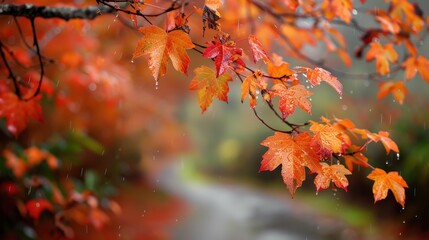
<point x="160" y="169"/>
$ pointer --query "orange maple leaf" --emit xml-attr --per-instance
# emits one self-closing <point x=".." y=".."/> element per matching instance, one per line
<point x="277" y="68"/>
<point x="18" y="112"/>
<point x="257" y="50"/>
<point x="250" y="86"/>
<point x="14" y="163"/>
<point x="383" y="136"/>
<point x="209" y="86"/>
<point x="293" y="96"/>
<point x="317" y="75"/>
<point x="160" y="46"/>
<point x="414" y="64"/>
<point x="332" y="173"/>
<point x="397" y="89"/>
<point x="382" y="55"/>
<point x="338" y="8"/>
<point x="357" y="158"/>
<point x="327" y="138"/>
<point x="384" y="181"/>
<point x="293" y="153"/>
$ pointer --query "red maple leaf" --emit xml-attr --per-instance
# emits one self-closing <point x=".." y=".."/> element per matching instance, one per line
<point x="18" y="112"/>
<point x="226" y="55"/>
<point x="35" y="207"/>
<point x="258" y="51"/>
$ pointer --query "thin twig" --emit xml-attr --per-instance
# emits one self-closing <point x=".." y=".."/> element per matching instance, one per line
<point x="9" y="69"/>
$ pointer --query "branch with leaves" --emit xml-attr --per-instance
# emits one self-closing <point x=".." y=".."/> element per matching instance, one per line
<point x="328" y="148"/>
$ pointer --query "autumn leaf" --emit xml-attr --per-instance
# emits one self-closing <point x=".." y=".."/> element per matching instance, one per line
<point x="397" y="89"/>
<point x="250" y="86"/>
<point x="18" y="112"/>
<point x="35" y="156"/>
<point x="160" y="46"/>
<point x="414" y="64"/>
<point x="258" y="51"/>
<point x="327" y="138"/>
<point x="17" y="165"/>
<point x="293" y="96"/>
<point x="383" y="136"/>
<point x="293" y="153"/>
<point x="332" y="173"/>
<point x="210" y="19"/>
<point x="277" y="68"/>
<point x="338" y="8"/>
<point x="36" y="207"/>
<point x="317" y="75"/>
<point x="382" y="55"/>
<point x="209" y="86"/>
<point x="225" y="54"/>
<point x="388" y="181"/>
<point x="355" y="157"/>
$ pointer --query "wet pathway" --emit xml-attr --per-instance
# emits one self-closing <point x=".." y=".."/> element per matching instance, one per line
<point x="223" y="212"/>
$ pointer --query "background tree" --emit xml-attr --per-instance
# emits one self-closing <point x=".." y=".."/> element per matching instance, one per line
<point x="84" y="80"/>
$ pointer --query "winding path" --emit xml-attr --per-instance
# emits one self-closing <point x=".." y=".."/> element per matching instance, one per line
<point x="223" y="212"/>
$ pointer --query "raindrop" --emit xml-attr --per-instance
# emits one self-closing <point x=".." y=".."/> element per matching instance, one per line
<point x="92" y="87"/>
<point x="37" y="204"/>
<point x="403" y="222"/>
<point x="397" y="156"/>
<point x="105" y="171"/>
<point x="403" y="208"/>
<point x="123" y="179"/>
<point x="355" y="12"/>
<point x="317" y="193"/>
<point x="81" y="172"/>
<point x="310" y="99"/>
<point x="132" y="60"/>
<point x="177" y="220"/>
<point x="108" y="27"/>
<point x="370" y="109"/>
<point x="344" y="107"/>
<point x="351" y="91"/>
<point x="387" y="162"/>
<point x="341" y="97"/>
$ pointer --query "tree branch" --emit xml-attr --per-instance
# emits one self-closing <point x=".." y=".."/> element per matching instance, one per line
<point x="31" y="11"/>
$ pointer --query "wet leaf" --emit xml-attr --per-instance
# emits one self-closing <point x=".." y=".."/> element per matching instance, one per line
<point x="294" y="154"/>
<point x="161" y="46"/>
<point x="209" y="86"/>
<point x="388" y="181"/>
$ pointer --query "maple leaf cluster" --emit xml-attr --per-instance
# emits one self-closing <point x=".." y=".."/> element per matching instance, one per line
<point x="330" y="149"/>
<point x="324" y="145"/>
<point x="317" y="148"/>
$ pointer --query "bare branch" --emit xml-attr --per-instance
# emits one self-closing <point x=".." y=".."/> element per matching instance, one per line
<point x="31" y="11"/>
